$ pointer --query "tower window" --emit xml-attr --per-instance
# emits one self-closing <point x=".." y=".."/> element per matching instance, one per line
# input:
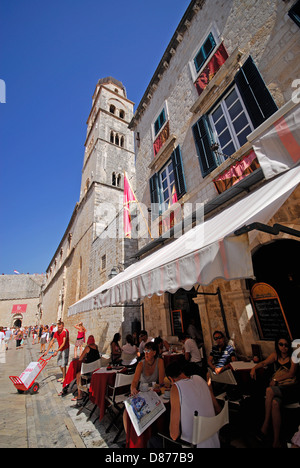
<point x="112" y="109"/>
<point x="122" y="114"/>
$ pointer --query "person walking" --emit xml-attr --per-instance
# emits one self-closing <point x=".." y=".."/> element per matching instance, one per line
<point x="2" y="337"/>
<point x="8" y="335"/>
<point x="44" y="338"/>
<point x="62" y="337"/>
<point x="19" y="338"/>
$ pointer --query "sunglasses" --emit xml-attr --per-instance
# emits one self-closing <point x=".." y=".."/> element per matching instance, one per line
<point x="285" y="345"/>
<point x="216" y="338"/>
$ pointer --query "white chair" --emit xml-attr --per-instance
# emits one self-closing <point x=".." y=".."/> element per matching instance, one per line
<point x="203" y="428"/>
<point x="128" y="359"/>
<point x="115" y="396"/>
<point x="87" y="370"/>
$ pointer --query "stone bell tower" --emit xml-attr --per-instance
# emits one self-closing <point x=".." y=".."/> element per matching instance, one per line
<point x="109" y="150"/>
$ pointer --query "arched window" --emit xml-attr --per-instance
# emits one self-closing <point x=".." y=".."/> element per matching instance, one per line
<point x="122" y="142"/>
<point x="113" y="179"/>
<point x="112" y="137"/>
<point x="122" y="114"/>
<point x="117" y="140"/>
<point x="112" y="109"/>
<point x="119" y="180"/>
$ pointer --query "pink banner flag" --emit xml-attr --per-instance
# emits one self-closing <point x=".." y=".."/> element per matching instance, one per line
<point x="19" y="308"/>
<point x="129" y="198"/>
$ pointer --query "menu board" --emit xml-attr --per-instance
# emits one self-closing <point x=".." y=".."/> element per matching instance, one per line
<point x="269" y="314"/>
<point x="177" y="323"/>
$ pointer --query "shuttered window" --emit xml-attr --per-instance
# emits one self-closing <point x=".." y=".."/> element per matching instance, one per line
<point x="256" y="96"/>
<point x="204" y="52"/>
<point x="159" y="122"/>
<point x="204" y="141"/>
<point x="234" y="117"/>
<point x="166" y="184"/>
<point x="294" y="13"/>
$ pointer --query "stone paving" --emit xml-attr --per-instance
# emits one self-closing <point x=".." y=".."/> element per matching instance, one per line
<point x="44" y="420"/>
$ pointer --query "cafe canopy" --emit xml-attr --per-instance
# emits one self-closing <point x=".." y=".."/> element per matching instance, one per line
<point x="208" y="251"/>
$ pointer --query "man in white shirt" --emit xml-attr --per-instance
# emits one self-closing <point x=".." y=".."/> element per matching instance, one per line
<point x="191" y="351"/>
<point x="144" y="338"/>
<point x="8" y="335"/>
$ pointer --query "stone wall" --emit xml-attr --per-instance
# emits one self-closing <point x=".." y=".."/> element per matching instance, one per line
<point x="16" y="290"/>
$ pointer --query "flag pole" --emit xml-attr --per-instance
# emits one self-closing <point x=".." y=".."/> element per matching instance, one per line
<point x="139" y="206"/>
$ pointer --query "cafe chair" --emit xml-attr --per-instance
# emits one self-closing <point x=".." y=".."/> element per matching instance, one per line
<point x="115" y="396"/>
<point x="231" y="390"/>
<point x="225" y="377"/>
<point x="203" y="428"/>
<point x="87" y="370"/>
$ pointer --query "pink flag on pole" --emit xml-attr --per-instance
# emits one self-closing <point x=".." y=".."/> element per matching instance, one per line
<point x="129" y="198"/>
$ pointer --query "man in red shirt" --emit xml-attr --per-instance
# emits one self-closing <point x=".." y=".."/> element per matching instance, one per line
<point x="62" y="337"/>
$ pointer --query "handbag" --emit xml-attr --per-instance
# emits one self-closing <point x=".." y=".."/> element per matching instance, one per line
<point x="280" y="373"/>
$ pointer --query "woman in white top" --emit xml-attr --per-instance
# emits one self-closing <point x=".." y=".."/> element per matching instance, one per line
<point x="189" y="394"/>
<point x="129" y="352"/>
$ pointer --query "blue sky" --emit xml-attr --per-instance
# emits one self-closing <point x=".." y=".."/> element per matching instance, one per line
<point x="52" y="54"/>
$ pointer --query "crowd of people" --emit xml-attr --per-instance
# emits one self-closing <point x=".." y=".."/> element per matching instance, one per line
<point x="190" y="376"/>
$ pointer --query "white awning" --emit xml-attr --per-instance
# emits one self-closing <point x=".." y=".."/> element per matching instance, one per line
<point x="206" y="252"/>
<point x="277" y="141"/>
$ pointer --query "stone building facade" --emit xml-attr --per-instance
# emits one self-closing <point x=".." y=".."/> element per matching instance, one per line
<point x="216" y="51"/>
<point x="20" y="301"/>
<point x="93" y="243"/>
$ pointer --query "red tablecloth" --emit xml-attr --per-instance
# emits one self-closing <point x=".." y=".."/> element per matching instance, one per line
<point x="74" y="368"/>
<point x="160" y="425"/>
<point x="169" y="358"/>
<point x="100" y="379"/>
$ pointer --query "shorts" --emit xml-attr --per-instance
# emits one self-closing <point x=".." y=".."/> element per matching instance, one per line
<point x="63" y="358"/>
<point x="79" y="342"/>
<point x="286" y="393"/>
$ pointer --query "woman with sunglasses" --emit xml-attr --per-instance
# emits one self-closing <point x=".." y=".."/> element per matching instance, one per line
<point x="151" y="369"/>
<point x="282" y="387"/>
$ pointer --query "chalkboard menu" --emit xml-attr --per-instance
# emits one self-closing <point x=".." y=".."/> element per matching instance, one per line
<point x="269" y="314"/>
<point x="177" y="323"/>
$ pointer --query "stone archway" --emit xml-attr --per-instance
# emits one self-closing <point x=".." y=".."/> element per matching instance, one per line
<point x="17" y="320"/>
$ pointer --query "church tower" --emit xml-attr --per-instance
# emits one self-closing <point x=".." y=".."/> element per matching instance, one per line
<point x="109" y="150"/>
<point x="93" y="245"/>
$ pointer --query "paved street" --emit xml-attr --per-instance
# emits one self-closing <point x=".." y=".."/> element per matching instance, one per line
<point x="44" y="420"/>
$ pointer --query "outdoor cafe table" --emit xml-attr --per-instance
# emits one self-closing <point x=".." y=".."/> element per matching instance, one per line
<point x="101" y="378"/>
<point x="160" y="425"/>
<point x="74" y="368"/>
<point x="171" y="357"/>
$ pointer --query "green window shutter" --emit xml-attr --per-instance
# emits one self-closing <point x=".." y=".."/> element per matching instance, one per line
<point x="204" y="52"/>
<point x="256" y="96"/>
<point x="178" y="172"/>
<point x="203" y="141"/>
<point x="155" y="196"/>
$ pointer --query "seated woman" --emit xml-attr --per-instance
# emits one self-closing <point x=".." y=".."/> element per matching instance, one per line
<point x="116" y="349"/>
<point x="90" y="354"/>
<point x="162" y="345"/>
<point x="283" y="387"/>
<point x="129" y="352"/>
<point x="151" y="369"/>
